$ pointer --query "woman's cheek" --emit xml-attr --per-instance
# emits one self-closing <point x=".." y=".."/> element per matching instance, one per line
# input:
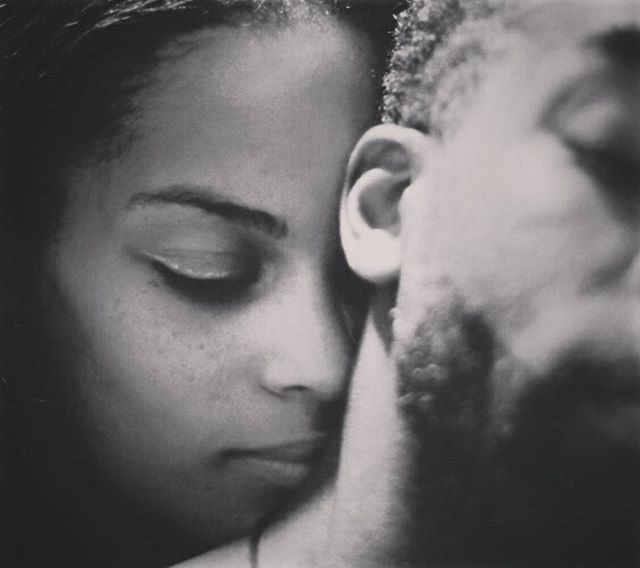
<point x="150" y="388"/>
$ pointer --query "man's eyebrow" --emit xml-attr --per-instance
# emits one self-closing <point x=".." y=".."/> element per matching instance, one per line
<point x="203" y="198"/>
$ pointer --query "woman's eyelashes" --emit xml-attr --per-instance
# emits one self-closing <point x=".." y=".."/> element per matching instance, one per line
<point x="205" y="276"/>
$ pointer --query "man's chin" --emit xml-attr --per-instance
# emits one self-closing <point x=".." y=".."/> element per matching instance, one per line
<point x="565" y="478"/>
<point x="546" y="475"/>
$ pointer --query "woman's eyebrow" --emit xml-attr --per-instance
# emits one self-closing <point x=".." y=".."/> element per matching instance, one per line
<point x="206" y="199"/>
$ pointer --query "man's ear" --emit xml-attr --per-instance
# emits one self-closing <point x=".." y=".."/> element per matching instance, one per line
<point x="383" y="165"/>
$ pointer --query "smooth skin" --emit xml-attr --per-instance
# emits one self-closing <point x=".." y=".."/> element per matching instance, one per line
<point x="190" y="292"/>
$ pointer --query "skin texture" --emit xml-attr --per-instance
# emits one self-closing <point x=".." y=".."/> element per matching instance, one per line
<point x="507" y="434"/>
<point x="507" y="221"/>
<point x="516" y="330"/>
<point x="189" y="334"/>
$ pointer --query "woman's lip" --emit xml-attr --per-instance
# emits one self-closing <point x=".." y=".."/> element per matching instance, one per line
<point x="298" y="451"/>
<point x="284" y="464"/>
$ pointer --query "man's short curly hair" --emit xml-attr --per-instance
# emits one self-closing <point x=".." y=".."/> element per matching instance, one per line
<point x="441" y="51"/>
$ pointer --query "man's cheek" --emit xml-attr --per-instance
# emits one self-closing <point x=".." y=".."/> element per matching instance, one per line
<point x="512" y="243"/>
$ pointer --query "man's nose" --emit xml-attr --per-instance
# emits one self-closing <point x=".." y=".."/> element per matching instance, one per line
<point x="308" y="350"/>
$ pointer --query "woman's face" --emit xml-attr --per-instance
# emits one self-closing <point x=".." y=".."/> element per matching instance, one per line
<point x="190" y="292"/>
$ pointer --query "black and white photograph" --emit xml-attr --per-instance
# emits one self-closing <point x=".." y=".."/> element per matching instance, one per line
<point x="320" y="283"/>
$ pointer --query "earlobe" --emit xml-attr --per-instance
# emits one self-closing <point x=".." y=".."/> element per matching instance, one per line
<point x="384" y="163"/>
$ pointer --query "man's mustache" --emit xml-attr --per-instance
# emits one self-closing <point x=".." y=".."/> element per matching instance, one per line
<point x="565" y="467"/>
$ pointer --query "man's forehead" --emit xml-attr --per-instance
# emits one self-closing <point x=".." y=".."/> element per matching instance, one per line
<point x="571" y="41"/>
<point x="578" y="22"/>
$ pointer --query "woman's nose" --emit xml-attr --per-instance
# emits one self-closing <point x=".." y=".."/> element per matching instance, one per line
<point x="308" y="351"/>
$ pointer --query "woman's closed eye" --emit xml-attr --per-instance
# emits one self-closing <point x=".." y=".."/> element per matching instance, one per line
<point x="206" y="276"/>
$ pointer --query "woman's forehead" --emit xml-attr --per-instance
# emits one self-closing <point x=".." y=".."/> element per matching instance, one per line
<point x="269" y="120"/>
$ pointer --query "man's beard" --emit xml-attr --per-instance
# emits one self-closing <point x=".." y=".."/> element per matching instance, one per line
<point x="510" y="468"/>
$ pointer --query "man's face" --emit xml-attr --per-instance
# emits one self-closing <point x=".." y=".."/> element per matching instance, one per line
<point x="526" y="244"/>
